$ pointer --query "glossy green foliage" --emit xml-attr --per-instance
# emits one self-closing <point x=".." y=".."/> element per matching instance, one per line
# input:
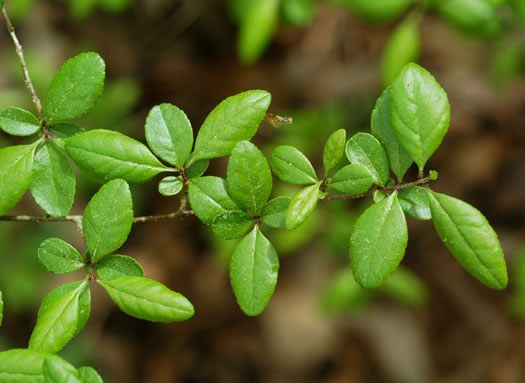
<point x="25" y="365"/>
<point x="420" y="113"/>
<point x="334" y="150"/>
<point x="58" y="320"/>
<point x="298" y="12"/>
<point x="378" y="241"/>
<point x="105" y="155"/>
<point x="147" y="299"/>
<point x="117" y="266"/>
<point x="414" y="202"/>
<point x="232" y="224"/>
<point x="364" y="149"/>
<point x="472" y="16"/>
<point x="53" y="181"/>
<point x="209" y="198"/>
<point x="65" y="130"/>
<point x="402" y="47"/>
<point x="253" y="272"/>
<point x="376" y="10"/>
<point x="16" y="164"/>
<point x="351" y="179"/>
<point x="57" y="372"/>
<point x="59" y="257"/>
<point x="274" y="212"/>
<point x="197" y="169"/>
<point x="235" y="119"/>
<point x="405" y="287"/>
<point x="19" y="122"/>
<point x="256" y="28"/>
<point x="170" y="185"/>
<point x="88" y="375"/>
<point x="249" y="179"/>
<point x="76" y="87"/>
<point x="302" y="205"/>
<point x="470" y="238"/>
<point x="381" y="128"/>
<point x="169" y="134"/>
<point x="292" y="166"/>
<point x="108" y="218"/>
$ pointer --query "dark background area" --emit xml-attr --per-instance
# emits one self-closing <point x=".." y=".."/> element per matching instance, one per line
<point x="326" y="77"/>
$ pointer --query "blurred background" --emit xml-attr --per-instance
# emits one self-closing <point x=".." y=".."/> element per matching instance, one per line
<point x="325" y="63"/>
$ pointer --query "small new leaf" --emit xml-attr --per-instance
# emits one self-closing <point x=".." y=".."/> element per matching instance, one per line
<point x="364" y="149"/>
<point x="117" y="266"/>
<point x="76" y="87"/>
<point x="351" y="179"/>
<point x="274" y="212"/>
<point x="19" y="122"/>
<point x="171" y="185"/>
<point x="381" y="128"/>
<point x="108" y="218"/>
<point x="53" y="182"/>
<point x="208" y="198"/>
<point x="414" y="202"/>
<point x="292" y="166"/>
<point x="16" y="165"/>
<point x="169" y="134"/>
<point x="249" y="179"/>
<point x="57" y="321"/>
<point x="419" y="112"/>
<point x="302" y="205"/>
<point x="232" y="224"/>
<point x="253" y="272"/>
<point x="334" y="150"/>
<point x="378" y="242"/>
<point x="105" y="155"/>
<point x="470" y="238"/>
<point x="197" y="169"/>
<point x="144" y="298"/>
<point x="59" y="257"/>
<point x="235" y="119"/>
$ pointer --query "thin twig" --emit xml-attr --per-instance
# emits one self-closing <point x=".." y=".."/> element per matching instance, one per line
<point x="20" y="54"/>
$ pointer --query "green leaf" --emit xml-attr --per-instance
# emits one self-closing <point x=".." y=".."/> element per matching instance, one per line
<point x="59" y="257"/>
<point x="273" y="213"/>
<point x="342" y="293"/>
<point x="16" y="165"/>
<point x="108" y="218"/>
<point x="419" y="113"/>
<point x="147" y="299"/>
<point x="470" y="238"/>
<point x="402" y="47"/>
<point x="232" y="224"/>
<point x="414" y="202"/>
<point x="405" y="287"/>
<point x="249" y="180"/>
<point x="377" y="196"/>
<point x="256" y="29"/>
<point x="235" y="119"/>
<point x="170" y="185"/>
<point x="298" y="12"/>
<point x="472" y="16"/>
<point x="253" y="272"/>
<point x="117" y="266"/>
<point x="302" y="205"/>
<point x="208" y="198"/>
<point x="57" y="372"/>
<point x="169" y="134"/>
<point x="19" y="122"/>
<point x="378" y="241"/>
<point x="89" y="375"/>
<point x="76" y="87"/>
<point x="63" y="130"/>
<point x="334" y="150"/>
<point x="106" y="155"/>
<point x="364" y="149"/>
<point x="53" y="182"/>
<point x="1" y="308"/>
<point x="381" y="128"/>
<point x="57" y="322"/>
<point x="197" y="169"/>
<point x="292" y="166"/>
<point x="351" y="179"/>
<point x="24" y="365"/>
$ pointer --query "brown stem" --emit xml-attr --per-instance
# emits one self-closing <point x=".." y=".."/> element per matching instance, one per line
<point x="27" y="78"/>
